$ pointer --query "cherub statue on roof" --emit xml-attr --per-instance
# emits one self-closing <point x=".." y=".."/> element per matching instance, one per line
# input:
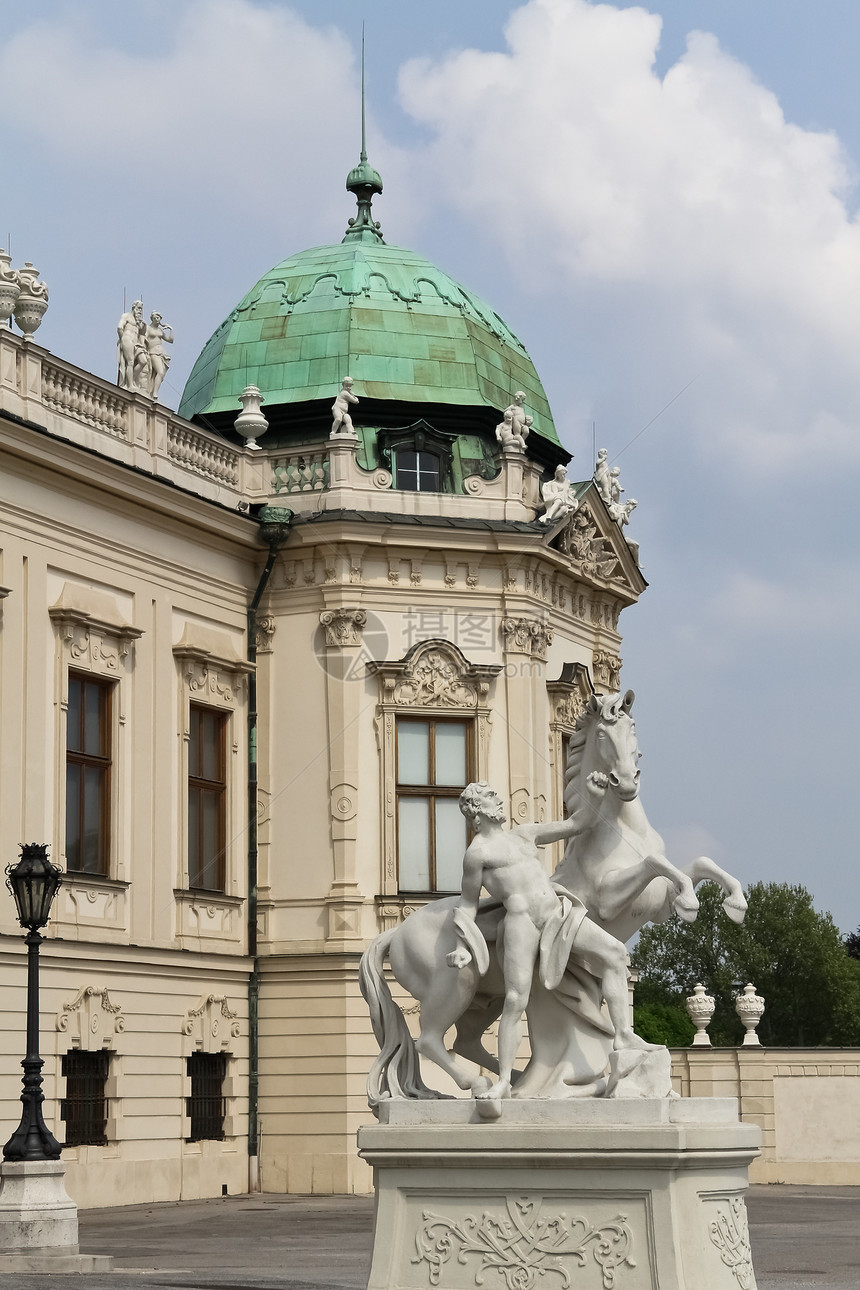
<point x="342" y="426"/>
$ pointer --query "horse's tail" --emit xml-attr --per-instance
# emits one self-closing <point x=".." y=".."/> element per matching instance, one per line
<point x="396" y="1071"/>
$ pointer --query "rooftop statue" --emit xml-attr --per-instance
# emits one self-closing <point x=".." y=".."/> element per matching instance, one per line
<point x="506" y="436"/>
<point x="141" y="359"/>
<point x="342" y="426"/>
<point x="156" y="335"/>
<point x="468" y="961"/>
<point x="602" y="478"/>
<point x="558" y="496"/>
<point x="609" y="487"/>
<point x="129" y="329"/>
<point x="520" y="423"/>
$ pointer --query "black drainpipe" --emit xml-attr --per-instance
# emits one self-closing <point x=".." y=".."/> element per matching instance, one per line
<point x="274" y="530"/>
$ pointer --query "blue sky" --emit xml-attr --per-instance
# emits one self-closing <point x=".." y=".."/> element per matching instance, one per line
<point x="650" y="195"/>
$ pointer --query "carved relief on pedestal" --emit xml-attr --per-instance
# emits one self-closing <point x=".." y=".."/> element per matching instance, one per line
<point x="343" y="626"/>
<point x="729" y="1232"/>
<point x="91" y="1020"/>
<point x="606" y="668"/>
<point x="211" y="1024"/>
<point x="521" y="1245"/>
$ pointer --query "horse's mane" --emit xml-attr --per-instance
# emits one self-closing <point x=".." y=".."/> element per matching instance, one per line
<point x="600" y="707"/>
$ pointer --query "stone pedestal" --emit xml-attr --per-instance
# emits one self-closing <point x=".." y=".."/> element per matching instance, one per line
<point x="39" y="1221"/>
<point x="594" y="1195"/>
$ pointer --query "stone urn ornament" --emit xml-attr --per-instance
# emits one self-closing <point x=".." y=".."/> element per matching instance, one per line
<point x="32" y="302"/>
<point x="10" y="288"/>
<point x="250" y="423"/>
<point x="700" y="1009"/>
<point x="750" y="1006"/>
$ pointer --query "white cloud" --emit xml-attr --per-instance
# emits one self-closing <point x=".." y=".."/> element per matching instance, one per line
<point x="589" y="169"/>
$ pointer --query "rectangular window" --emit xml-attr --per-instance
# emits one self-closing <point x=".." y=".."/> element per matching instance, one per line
<point x="84" y="1108"/>
<point x="433" y="768"/>
<point x="417" y="472"/>
<point x="205" y="1106"/>
<point x="207" y="799"/>
<point x="88" y="768"/>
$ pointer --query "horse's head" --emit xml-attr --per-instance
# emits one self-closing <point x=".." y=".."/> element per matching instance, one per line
<point x="604" y="745"/>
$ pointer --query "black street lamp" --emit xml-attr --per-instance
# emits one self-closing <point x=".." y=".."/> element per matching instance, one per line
<point x="33" y="881"/>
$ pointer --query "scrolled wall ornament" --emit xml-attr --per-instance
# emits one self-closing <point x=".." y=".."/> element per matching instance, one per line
<point x="607" y="670"/>
<point x="343" y="626"/>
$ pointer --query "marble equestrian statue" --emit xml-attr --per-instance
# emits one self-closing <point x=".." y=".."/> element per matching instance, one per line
<point x="613" y="879"/>
<point x="342" y="426"/>
<point x="558" y="496"/>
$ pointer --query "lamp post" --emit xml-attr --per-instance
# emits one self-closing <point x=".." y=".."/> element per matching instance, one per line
<point x="33" y="881"/>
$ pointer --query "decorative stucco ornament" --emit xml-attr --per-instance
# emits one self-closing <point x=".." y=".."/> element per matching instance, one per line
<point x="533" y="945"/>
<point x="342" y="427"/>
<point x="32" y="301"/>
<point x="10" y="288"/>
<point x="251" y="422"/>
<point x="558" y="496"/>
<point x="700" y="1009"/>
<point x="750" y="1007"/>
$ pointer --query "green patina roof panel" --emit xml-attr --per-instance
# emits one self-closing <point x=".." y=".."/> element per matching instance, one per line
<point x="400" y="327"/>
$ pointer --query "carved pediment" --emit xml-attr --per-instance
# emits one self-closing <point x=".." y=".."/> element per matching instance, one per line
<point x="211" y="1023"/>
<point x="595" y="545"/>
<point x="435" y="674"/>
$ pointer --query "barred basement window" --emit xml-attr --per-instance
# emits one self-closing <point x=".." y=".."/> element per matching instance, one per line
<point x="205" y="1106"/>
<point x="84" y="1108"/>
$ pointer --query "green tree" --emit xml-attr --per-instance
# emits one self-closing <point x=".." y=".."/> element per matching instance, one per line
<point x="793" y="954"/>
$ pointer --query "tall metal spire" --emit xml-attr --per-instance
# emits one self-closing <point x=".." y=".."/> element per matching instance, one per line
<point x="364" y="181"/>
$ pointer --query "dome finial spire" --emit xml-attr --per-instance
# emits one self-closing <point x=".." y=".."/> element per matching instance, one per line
<point x="364" y="181"/>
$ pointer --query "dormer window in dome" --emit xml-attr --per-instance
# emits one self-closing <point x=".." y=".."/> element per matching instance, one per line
<point x="419" y="458"/>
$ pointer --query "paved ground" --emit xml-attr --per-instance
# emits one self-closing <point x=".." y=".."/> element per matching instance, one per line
<point x="803" y="1238"/>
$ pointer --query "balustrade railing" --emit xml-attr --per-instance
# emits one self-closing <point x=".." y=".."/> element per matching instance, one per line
<point x="67" y="392"/>
<point x="306" y="472"/>
<point x="202" y="454"/>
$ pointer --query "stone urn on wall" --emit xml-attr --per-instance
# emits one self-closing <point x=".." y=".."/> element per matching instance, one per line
<point x="32" y="302"/>
<point x="10" y="288"/>
<point x="749" y="1006"/>
<point x="700" y="1009"/>
<point x="251" y="421"/>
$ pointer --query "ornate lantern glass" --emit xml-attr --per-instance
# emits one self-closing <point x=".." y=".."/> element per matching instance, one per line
<point x="33" y="881"/>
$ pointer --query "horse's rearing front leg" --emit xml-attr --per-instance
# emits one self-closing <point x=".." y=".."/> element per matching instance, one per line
<point x="703" y="870"/>
<point x="685" y="904"/>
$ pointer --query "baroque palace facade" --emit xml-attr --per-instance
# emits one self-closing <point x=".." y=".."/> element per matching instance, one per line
<point x="242" y="688"/>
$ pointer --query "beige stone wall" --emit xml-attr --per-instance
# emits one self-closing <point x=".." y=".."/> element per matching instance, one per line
<point x="805" y="1101"/>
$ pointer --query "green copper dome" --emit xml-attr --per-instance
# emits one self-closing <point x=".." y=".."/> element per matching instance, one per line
<point x="400" y="327"/>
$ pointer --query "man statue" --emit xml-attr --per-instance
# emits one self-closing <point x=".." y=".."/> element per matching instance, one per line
<point x="541" y="923"/>
<point x="157" y="334"/>
<point x="341" y="420"/>
<point x="557" y="497"/>
<point x="129" y="340"/>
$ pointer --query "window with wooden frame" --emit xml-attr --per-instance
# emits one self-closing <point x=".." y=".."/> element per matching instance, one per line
<point x="88" y="773"/>
<point x="434" y="765"/>
<point x="84" y="1108"/>
<point x="205" y="1107"/>
<point x="207" y="798"/>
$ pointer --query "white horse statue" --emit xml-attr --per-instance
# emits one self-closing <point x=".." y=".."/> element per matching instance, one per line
<point x="614" y="863"/>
